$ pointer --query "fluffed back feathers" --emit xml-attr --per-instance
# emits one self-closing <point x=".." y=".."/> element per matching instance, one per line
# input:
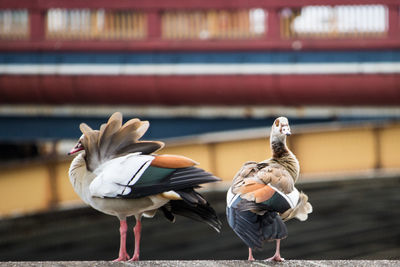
<point x="114" y="140"/>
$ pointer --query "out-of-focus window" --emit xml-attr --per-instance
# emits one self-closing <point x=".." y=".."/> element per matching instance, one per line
<point x="214" y="24"/>
<point x="95" y="24"/>
<point x="14" y="24"/>
<point x="358" y="21"/>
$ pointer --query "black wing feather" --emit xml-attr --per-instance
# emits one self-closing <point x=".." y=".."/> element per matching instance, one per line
<point x="193" y="206"/>
<point x="180" y="179"/>
<point x="252" y="228"/>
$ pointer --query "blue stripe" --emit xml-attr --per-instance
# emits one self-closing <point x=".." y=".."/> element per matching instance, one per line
<point x="59" y="127"/>
<point x="200" y="57"/>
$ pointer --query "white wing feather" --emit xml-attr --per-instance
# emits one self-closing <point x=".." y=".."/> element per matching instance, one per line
<point x="114" y="176"/>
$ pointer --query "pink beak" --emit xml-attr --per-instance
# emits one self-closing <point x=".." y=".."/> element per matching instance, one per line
<point x="76" y="149"/>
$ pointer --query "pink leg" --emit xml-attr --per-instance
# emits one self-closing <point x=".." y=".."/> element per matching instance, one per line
<point x="277" y="255"/>
<point x="137" y="229"/>
<point x="123" y="255"/>
<point x="251" y="258"/>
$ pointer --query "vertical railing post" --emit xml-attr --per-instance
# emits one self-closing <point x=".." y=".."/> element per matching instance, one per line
<point x="212" y="158"/>
<point x="36" y="24"/>
<point x="273" y="24"/>
<point x="394" y="27"/>
<point x="52" y="188"/>
<point x="154" y="24"/>
<point x="377" y="147"/>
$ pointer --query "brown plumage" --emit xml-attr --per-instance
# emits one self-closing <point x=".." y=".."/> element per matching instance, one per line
<point x="115" y="140"/>
<point x="281" y="170"/>
<point x="258" y="183"/>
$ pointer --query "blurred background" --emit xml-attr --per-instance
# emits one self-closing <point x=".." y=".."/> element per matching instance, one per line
<point x="210" y="76"/>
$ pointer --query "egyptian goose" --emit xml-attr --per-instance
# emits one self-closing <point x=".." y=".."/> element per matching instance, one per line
<point x="263" y="196"/>
<point x="119" y="175"/>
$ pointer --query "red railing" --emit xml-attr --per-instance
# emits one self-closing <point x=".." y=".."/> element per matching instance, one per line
<point x="198" y="25"/>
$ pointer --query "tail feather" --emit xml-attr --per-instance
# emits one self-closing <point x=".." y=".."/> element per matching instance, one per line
<point x="201" y="212"/>
<point x="192" y="197"/>
<point x="301" y="211"/>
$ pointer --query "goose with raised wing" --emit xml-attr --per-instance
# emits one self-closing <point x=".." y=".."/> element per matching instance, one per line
<point x="263" y="195"/>
<point x="121" y="176"/>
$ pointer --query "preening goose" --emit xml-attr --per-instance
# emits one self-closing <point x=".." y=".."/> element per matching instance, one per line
<point x="119" y="175"/>
<point x="263" y="195"/>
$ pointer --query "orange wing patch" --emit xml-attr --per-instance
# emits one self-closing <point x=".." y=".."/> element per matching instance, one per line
<point x="263" y="194"/>
<point x="172" y="161"/>
<point x="257" y="192"/>
<point x="250" y="186"/>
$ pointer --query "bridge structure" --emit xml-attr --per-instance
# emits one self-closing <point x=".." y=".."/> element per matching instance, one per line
<point x="195" y="67"/>
<point x="192" y="68"/>
<point x="64" y="61"/>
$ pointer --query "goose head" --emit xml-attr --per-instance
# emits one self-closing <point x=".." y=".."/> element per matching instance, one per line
<point x="280" y="129"/>
<point x="78" y="147"/>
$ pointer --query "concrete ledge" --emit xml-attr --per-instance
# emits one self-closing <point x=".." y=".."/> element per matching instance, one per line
<point x="207" y="263"/>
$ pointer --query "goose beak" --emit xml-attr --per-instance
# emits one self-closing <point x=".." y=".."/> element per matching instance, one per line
<point x="286" y="130"/>
<point x="76" y="149"/>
